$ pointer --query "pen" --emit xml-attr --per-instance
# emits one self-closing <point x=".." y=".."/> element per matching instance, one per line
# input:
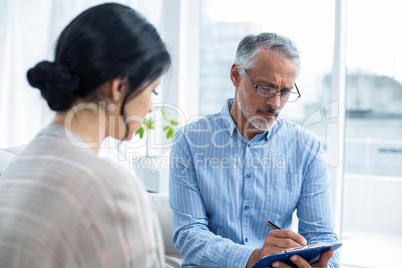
<point x="273" y="225"/>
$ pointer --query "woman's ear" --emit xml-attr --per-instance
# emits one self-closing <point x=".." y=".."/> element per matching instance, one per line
<point x="117" y="88"/>
<point x="234" y="75"/>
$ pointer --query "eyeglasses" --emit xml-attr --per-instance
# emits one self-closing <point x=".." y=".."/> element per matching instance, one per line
<point x="269" y="92"/>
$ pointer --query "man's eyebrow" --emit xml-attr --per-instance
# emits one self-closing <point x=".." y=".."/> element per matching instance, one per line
<point x="269" y="84"/>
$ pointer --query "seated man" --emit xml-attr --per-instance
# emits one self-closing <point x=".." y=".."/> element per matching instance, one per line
<point x="232" y="171"/>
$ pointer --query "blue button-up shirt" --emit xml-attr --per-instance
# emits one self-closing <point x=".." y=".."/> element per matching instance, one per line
<point x="224" y="188"/>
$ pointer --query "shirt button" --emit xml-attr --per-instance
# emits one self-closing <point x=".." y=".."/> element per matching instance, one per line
<point x="248" y="176"/>
<point x="246" y="207"/>
<point x="249" y="145"/>
<point x="246" y="240"/>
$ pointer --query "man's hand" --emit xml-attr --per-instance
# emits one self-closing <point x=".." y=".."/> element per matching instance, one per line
<point x="275" y="242"/>
<point x="301" y="263"/>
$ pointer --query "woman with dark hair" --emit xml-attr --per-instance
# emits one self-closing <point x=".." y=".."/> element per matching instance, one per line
<point x="60" y="204"/>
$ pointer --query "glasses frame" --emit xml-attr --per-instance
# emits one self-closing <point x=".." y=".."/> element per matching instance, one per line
<point x="257" y="86"/>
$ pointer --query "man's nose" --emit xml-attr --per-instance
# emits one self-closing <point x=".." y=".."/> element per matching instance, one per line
<point x="275" y="101"/>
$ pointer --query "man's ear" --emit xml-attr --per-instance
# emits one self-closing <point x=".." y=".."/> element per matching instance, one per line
<point x="117" y="88"/>
<point x="234" y="75"/>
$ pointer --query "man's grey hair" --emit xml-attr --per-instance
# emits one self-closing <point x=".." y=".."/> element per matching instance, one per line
<point x="251" y="45"/>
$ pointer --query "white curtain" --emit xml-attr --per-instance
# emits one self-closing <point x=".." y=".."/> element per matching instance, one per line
<point x="28" y="32"/>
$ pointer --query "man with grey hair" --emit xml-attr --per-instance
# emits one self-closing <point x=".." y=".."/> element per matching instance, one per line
<point x="232" y="171"/>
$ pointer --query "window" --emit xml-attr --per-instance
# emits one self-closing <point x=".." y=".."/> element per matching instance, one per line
<point x="373" y="131"/>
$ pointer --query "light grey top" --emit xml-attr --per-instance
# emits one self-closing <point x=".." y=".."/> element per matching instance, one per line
<point x="63" y="206"/>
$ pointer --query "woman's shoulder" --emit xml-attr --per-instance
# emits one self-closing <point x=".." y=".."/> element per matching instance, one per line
<point x="57" y="159"/>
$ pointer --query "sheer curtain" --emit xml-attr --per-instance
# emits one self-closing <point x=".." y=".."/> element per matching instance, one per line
<point x="29" y="31"/>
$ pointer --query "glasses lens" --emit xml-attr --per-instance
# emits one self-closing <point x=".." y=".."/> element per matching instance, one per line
<point x="289" y="96"/>
<point x="266" y="91"/>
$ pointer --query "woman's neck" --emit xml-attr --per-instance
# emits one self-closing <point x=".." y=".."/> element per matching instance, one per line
<point x="89" y="123"/>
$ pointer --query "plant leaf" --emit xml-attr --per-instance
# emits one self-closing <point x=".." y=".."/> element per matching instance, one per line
<point x="169" y="134"/>
<point x="140" y="132"/>
<point x="149" y="123"/>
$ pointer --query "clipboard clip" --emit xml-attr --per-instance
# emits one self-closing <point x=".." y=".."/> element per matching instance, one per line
<point x="302" y="248"/>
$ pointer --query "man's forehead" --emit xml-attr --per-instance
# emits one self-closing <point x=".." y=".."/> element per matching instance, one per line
<point x="266" y="65"/>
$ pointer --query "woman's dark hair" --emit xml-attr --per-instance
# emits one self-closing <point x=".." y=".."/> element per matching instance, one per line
<point x="103" y="43"/>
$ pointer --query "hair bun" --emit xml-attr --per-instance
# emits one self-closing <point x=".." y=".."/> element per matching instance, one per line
<point x="56" y="83"/>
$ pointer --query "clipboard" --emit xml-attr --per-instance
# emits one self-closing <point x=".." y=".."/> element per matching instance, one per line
<point x="310" y="253"/>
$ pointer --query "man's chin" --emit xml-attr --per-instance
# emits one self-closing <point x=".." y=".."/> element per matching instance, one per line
<point x="267" y="125"/>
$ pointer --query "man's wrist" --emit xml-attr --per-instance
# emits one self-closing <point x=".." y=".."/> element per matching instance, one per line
<point x="254" y="257"/>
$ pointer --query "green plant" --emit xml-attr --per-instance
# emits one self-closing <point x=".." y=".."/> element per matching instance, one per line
<point x="170" y="126"/>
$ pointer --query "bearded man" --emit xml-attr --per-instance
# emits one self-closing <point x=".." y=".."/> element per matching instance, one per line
<point x="232" y="171"/>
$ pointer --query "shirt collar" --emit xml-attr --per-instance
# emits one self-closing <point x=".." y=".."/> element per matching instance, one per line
<point x="231" y="125"/>
<point x="227" y="117"/>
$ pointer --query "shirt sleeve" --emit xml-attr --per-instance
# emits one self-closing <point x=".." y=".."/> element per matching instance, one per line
<point x="191" y="234"/>
<point x="314" y="207"/>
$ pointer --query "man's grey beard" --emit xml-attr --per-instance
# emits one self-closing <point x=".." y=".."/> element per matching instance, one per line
<point x="251" y="121"/>
<point x="267" y="128"/>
